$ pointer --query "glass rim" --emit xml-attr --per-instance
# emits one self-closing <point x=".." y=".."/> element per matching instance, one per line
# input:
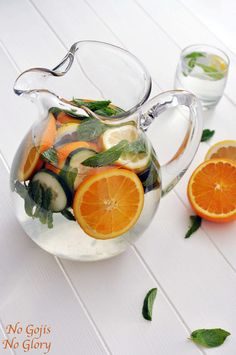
<point x="203" y="45"/>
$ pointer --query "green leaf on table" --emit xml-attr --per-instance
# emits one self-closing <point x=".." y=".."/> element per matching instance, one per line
<point x="50" y="155"/>
<point x="90" y="130"/>
<point x="92" y="105"/>
<point x="195" y="225"/>
<point x="67" y="214"/>
<point x="148" y="304"/>
<point x="207" y="134"/>
<point x="209" y="337"/>
<point x="107" y="157"/>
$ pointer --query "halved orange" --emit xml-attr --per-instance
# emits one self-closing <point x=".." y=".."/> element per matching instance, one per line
<point x="108" y="204"/>
<point x="212" y="190"/>
<point x="222" y="150"/>
<point x="32" y="150"/>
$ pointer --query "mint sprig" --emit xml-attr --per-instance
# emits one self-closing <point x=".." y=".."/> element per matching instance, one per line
<point x="195" y="225"/>
<point x="90" y="130"/>
<point x="207" y="134"/>
<point x="148" y="304"/>
<point x="107" y="157"/>
<point x="209" y="338"/>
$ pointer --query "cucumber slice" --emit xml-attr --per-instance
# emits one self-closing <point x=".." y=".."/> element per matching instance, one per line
<point x="74" y="161"/>
<point x="62" y="196"/>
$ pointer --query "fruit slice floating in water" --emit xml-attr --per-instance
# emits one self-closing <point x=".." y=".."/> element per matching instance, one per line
<point x="134" y="161"/>
<point x="31" y="156"/>
<point x="65" y="150"/>
<point x="222" y="150"/>
<point x="67" y="133"/>
<point x="212" y="190"/>
<point x="109" y="203"/>
<point x="63" y="118"/>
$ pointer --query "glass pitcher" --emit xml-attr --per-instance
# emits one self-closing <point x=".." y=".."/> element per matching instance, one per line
<point x="85" y="180"/>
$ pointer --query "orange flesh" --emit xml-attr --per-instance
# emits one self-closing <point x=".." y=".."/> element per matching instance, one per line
<point x="64" y="118"/>
<point x="225" y="153"/>
<point x="31" y="161"/>
<point x="109" y="203"/>
<point x="212" y="190"/>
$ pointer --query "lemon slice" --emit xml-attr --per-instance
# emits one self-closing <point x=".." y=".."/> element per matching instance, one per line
<point x="218" y="63"/>
<point x="222" y="150"/>
<point x="133" y="161"/>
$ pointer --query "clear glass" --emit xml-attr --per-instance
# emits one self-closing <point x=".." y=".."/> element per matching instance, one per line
<point x="203" y="70"/>
<point x="85" y="180"/>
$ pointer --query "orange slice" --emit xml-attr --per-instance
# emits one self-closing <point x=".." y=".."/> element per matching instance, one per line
<point x="223" y="150"/>
<point x="108" y="204"/>
<point x="212" y="190"/>
<point x="31" y="155"/>
<point x="64" y="150"/>
<point x="63" y="118"/>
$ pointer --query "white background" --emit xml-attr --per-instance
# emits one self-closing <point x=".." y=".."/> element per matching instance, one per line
<point x="96" y="308"/>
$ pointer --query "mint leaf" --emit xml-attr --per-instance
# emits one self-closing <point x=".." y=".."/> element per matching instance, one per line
<point x="67" y="214"/>
<point x="195" y="225"/>
<point x="21" y="189"/>
<point x="207" y="134"/>
<point x="69" y="174"/>
<point x="90" y="130"/>
<point x="107" y="157"/>
<point x="209" y="337"/>
<point x="148" y="304"/>
<point x="137" y="147"/>
<point x="211" y="71"/>
<point x="195" y="55"/>
<point x="109" y="111"/>
<point x="50" y="155"/>
<point x="150" y="178"/>
<point x="92" y="105"/>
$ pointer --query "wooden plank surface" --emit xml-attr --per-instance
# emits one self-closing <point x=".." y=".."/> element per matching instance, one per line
<point x="101" y="301"/>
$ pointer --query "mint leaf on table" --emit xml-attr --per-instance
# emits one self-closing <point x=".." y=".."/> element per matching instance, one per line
<point x="67" y="214"/>
<point x="148" y="304"/>
<point x="195" y="225"/>
<point x="50" y="155"/>
<point x="207" y="134"/>
<point x="209" y="337"/>
<point x="107" y="157"/>
<point x="92" y="105"/>
<point x="90" y="130"/>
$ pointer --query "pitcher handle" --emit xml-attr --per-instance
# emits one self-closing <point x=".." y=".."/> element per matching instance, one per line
<point x="174" y="169"/>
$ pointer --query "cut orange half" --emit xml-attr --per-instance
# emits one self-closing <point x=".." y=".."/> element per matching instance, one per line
<point x="212" y="190"/>
<point x="108" y="204"/>
<point x="222" y="150"/>
<point x="31" y="155"/>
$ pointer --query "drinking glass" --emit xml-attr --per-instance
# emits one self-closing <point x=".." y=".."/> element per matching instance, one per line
<point x="203" y="70"/>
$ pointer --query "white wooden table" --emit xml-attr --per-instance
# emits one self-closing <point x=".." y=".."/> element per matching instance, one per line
<point x="95" y="308"/>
